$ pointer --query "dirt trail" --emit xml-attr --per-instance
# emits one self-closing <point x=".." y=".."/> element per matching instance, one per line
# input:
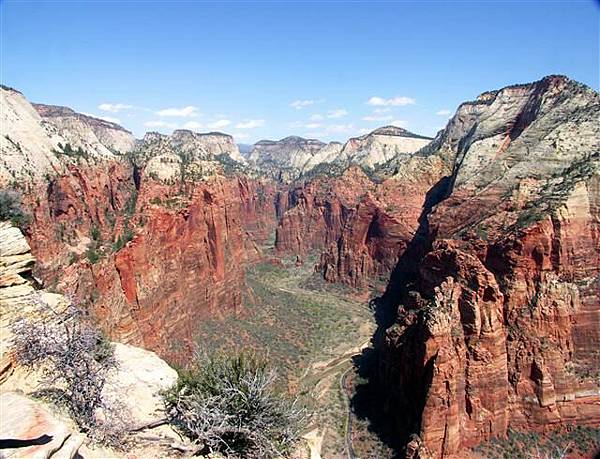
<point x="324" y="375"/>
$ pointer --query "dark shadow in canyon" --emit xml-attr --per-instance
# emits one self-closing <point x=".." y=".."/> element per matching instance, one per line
<point x="394" y="413"/>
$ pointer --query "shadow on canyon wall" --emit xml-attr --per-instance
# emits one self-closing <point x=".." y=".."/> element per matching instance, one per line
<point x="393" y="411"/>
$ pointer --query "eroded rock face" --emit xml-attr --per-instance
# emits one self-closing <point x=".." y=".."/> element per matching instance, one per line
<point x="44" y="140"/>
<point x="382" y="145"/>
<point x="290" y="158"/>
<point x="500" y="318"/>
<point x="179" y="268"/>
<point x="35" y="432"/>
<point x="360" y="226"/>
<point x="28" y="427"/>
<point x="87" y="132"/>
<point x="179" y="265"/>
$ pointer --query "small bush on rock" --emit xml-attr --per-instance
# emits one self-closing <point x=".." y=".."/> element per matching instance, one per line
<point x="10" y="209"/>
<point x="76" y="359"/>
<point x="229" y="404"/>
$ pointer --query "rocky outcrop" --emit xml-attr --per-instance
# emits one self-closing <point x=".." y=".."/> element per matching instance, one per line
<point x="179" y="267"/>
<point x="292" y="157"/>
<point x="29" y="428"/>
<point x="498" y="321"/>
<point x="43" y="140"/>
<point x="33" y="432"/>
<point x="26" y="146"/>
<point x="17" y="295"/>
<point x="288" y="158"/>
<point x="360" y="225"/>
<point x="382" y="145"/>
<point x="185" y="154"/>
<point x="85" y="131"/>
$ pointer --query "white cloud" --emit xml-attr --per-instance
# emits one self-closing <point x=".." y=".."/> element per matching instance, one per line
<point x="338" y="113"/>
<point x="364" y="131"/>
<point x="394" y="101"/>
<point x="316" y="117"/>
<point x="382" y="110"/>
<point x="377" y="118"/>
<point x="113" y="108"/>
<point x="300" y="104"/>
<point x="443" y="112"/>
<point x="158" y="124"/>
<point x="250" y="124"/>
<point x="183" y="112"/>
<point x="193" y="125"/>
<point x="218" y="124"/>
<point x="398" y="123"/>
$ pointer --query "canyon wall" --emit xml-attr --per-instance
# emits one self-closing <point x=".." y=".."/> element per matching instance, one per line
<point x="498" y="315"/>
<point x="149" y="258"/>
<point x="489" y="236"/>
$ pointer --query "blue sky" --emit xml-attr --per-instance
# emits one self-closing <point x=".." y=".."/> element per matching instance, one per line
<point x="270" y="69"/>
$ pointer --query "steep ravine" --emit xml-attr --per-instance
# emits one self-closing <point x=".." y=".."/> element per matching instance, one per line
<point x="481" y="326"/>
<point x="485" y="247"/>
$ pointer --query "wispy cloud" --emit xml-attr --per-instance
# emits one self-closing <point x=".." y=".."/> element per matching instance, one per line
<point x="218" y="124"/>
<point x="316" y="117"/>
<point x="183" y="112"/>
<point x="250" y="124"/>
<point x="443" y="112"/>
<point x="398" y="123"/>
<point x="338" y="113"/>
<point x="241" y="135"/>
<point x="113" y="108"/>
<point x="377" y="118"/>
<point x="300" y="104"/>
<point x="394" y="101"/>
<point x="382" y="110"/>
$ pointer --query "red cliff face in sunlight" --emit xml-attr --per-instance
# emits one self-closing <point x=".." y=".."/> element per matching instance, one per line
<point x="184" y="262"/>
<point x="361" y="227"/>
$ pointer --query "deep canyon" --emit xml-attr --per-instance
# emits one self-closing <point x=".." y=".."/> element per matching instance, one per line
<point x="480" y="248"/>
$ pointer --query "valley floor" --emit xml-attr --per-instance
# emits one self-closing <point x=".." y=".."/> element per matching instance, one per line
<point x="310" y="330"/>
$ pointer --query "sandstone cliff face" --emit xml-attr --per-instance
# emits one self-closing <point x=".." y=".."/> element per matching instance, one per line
<point x="292" y="157"/>
<point x="288" y="158"/>
<point x="382" y="145"/>
<point x="135" y="384"/>
<point x="41" y="140"/>
<point x="360" y="226"/>
<point x="186" y="154"/>
<point x="500" y="318"/>
<point x="149" y="254"/>
<point x="87" y="132"/>
<point x="25" y="147"/>
<point x="150" y="258"/>
<point x="185" y="263"/>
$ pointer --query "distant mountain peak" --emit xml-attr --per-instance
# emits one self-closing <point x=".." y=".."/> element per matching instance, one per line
<point x="396" y="131"/>
<point x="53" y="111"/>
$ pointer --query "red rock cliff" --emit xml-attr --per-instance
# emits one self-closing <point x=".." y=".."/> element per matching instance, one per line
<point x="498" y="323"/>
